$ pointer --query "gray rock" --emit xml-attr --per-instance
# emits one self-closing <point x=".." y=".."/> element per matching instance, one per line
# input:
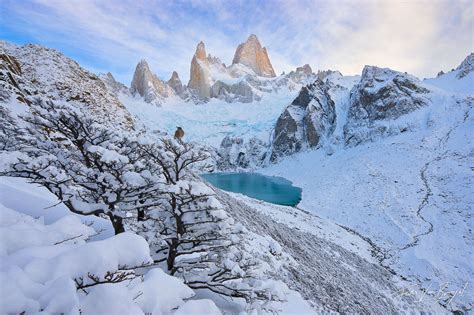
<point x="235" y="153"/>
<point x="240" y="92"/>
<point x="148" y="85"/>
<point x="381" y="95"/>
<point x="309" y="118"/>
<point x="466" y="67"/>
<point x="175" y="83"/>
<point x="113" y="85"/>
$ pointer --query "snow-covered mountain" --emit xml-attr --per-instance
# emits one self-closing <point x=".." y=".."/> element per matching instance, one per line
<point x="249" y="78"/>
<point x="31" y="71"/>
<point x="384" y="161"/>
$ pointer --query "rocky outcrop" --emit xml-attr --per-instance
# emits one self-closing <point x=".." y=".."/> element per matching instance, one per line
<point x="381" y="95"/>
<point x="305" y="122"/>
<point x="235" y="153"/>
<point x="323" y="74"/>
<point x="147" y="85"/>
<point x="242" y="81"/>
<point x="113" y="85"/>
<point x="199" y="83"/>
<point x="238" y="92"/>
<point x="253" y="55"/>
<point x="175" y="83"/>
<point x="31" y="71"/>
<point x="10" y="80"/>
<point x="466" y="67"/>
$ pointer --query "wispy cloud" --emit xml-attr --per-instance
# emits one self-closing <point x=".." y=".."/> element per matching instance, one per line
<point x="420" y="37"/>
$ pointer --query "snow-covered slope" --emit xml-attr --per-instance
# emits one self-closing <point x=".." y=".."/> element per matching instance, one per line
<point x="387" y="203"/>
<point x="459" y="80"/>
<point x="209" y="123"/>
<point x="331" y="267"/>
<point x="409" y="194"/>
<point x="38" y="71"/>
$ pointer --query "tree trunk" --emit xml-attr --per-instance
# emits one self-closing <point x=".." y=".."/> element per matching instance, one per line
<point x="117" y="223"/>
<point x="172" y="255"/>
<point x="141" y="215"/>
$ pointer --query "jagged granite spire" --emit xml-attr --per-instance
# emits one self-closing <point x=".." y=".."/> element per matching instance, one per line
<point x="175" y="83"/>
<point x="199" y="74"/>
<point x="253" y="55"/>
<point x="146" y="84"/>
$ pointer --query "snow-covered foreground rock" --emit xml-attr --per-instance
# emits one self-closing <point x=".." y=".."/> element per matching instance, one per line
<point x="51" y="268"/>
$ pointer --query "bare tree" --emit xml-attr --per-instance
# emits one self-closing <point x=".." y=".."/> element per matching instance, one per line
<point x="192" y="234"/>
<point x="89" y="167"/>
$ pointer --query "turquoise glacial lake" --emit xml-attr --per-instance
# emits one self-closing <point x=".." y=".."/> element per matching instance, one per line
<point x="272" y="189"/>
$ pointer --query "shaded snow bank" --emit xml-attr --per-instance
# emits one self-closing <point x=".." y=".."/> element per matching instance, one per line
<point x="53" y="269"/>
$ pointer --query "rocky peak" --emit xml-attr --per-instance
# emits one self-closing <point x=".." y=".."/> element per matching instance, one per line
<point x="147" y="85"/>
<point x="174" y="77"/>
<point x="199" y="82"/>
<point x="253" y="55"/>
<point x="175" y="83"/>
<point x="141" y="77"/>
<point x="113" y="85"/>
<point x="306" y="69"/>
<point x="466" y="67"/>
<point x="200" y="53"/>
<point x="382" y="94"/>
<point x="323" y="74"/>
<point x="309" y="119"/>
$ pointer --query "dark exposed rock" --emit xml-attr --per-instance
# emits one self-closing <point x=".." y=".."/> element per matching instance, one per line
<point x="382" y="94"/>
<point x="236" y="153"/>
<point x="175" y="83"/>
<point x="310" y="117"/>
<point x="113" y="85"/>
<point x="466" y="67"/>
<point x="239" y="92"/>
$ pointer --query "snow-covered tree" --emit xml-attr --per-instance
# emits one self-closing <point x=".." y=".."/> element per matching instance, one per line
<point x="92" y="169"/>
<point x="193" y="234"/>
<point x="148" y="181"/>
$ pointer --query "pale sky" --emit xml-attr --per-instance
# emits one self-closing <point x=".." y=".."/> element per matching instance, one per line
<point x="419" y="37"/>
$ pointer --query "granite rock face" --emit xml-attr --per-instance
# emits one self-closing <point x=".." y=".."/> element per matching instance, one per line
<point x="147" y="85"/>
<point x="236" y="153"/>
<point x="239" y="92"/>
<point x="199" y="82"/>
<point x="175" y="83"/>
<point x="253" y="55"/>
<point x="381" y="95"/>
<point x="303" y="124"/>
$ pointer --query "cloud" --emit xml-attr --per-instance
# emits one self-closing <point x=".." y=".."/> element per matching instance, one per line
<point x="420" y="37"/>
